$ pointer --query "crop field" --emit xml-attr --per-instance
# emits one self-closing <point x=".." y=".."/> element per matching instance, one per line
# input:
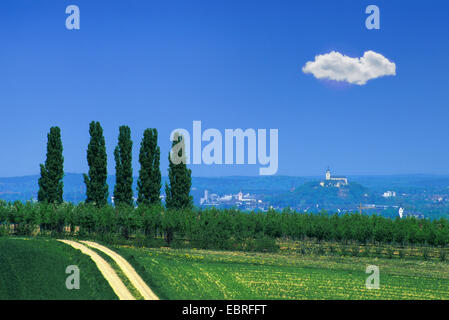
<point x="35" y="269"/>
<point x="201" y="274"/>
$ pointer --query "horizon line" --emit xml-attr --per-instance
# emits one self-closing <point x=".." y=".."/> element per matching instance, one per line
<point x="256" y="176"/>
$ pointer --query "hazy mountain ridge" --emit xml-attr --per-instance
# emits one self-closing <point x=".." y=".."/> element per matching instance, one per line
<point x="286" y="188"/>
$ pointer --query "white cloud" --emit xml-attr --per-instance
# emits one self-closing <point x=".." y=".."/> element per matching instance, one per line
<point x="336" y="66"/>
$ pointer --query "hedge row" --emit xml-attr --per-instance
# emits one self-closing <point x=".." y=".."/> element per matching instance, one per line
<point x="217" y="228"/>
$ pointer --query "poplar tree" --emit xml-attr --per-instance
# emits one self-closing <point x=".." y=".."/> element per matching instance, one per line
<point x="149" y="182"/>
<point x="52" y="172"/>
<point x="96" y="185"/>
<point x="123" y="190"/>
<point x="177" y="192"/>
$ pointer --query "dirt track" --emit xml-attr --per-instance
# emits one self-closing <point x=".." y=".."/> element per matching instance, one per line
<point x="109" y="274"/>
<point x="127" y="269"/>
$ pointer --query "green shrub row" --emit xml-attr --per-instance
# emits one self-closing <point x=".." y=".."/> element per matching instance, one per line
<point x="216" y="228"/>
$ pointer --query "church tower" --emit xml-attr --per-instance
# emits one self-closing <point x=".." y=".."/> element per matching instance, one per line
<point x="328" y="174"/>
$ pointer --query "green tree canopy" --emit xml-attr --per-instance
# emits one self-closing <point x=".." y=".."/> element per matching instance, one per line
<point x="149" y="182"/>
<point x="52" y="172"/>
<point x="123" y="190"/>
<point x="96" y="186"/>
<point x="177" y="192"/>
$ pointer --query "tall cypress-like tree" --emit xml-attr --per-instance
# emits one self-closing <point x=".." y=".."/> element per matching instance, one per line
<point x="123" y="190"/>
<point x="96" y="186"/>
<point x="52" y="172"/>
<point x="177" y="193"/>
<point x="149" y="182"/>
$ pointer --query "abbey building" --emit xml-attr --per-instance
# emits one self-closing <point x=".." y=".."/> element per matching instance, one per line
<point x="333" y="181"/>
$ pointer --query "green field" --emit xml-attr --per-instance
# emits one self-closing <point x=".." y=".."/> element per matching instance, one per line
<point x="201" y="274"/>
<point x="35" y="269"/>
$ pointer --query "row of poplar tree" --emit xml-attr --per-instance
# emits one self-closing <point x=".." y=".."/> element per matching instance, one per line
<point x="177" y="190"/>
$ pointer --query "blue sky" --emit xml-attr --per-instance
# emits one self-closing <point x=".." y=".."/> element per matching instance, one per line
<point x="230" y="64"/>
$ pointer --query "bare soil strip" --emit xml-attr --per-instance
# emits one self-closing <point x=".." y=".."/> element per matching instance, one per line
<point x="128" y="270"/>
<point x="106" y="270"/>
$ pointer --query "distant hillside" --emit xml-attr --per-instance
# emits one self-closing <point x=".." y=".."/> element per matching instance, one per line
<point x="427" y="194"/>
<point x="311" y="194"/>
<point x="405" y="183"/>
<point x="25" y="188"/>
<point x="18" y="188"/>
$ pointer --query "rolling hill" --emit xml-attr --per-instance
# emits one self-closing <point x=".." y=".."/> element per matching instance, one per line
<point x="32" y="269"/>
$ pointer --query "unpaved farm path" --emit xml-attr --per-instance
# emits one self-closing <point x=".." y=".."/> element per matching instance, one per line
<point x="106" y="270"/>
<point x="127" y="269"/>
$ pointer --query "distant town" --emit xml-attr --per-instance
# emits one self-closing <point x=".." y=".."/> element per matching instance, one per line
<point x="242" y="201"/>
<point x="254" y="201"/>
<point x="420" y="196"/>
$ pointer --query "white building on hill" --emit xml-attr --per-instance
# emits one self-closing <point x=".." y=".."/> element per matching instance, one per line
<point x="389" y="194"/>
<point x="335" y="181"/>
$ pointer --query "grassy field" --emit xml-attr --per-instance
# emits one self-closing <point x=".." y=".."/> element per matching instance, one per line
<point x="200" y="274"/>
<point x="35" y="269"/>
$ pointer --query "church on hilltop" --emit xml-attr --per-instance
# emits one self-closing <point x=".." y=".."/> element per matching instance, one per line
<point x="333" y="181"/>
